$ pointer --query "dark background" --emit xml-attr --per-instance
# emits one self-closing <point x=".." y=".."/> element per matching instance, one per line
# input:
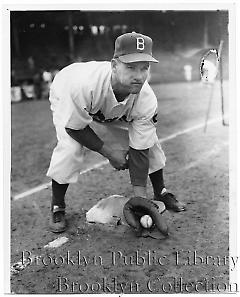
<point x="50" y="40"/>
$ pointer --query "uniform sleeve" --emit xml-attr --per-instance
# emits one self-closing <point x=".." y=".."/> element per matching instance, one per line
<point x="142" y="130"/>
<point x="79" y="117"/>
<point x="142" y="134"/>
<point x="138" y="164"/>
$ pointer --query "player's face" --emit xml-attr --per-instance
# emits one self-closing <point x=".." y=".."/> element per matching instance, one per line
<point x="130" y="77"/>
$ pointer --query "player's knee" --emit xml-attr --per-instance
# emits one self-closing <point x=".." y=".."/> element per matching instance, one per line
<point x="74" y="148"/>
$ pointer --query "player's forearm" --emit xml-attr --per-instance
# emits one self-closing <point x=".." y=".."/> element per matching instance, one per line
<point x="87" y="137"/>
<point x="140" y="191"/>
<point x="138" y="163"/>
<point x="105" y="151"/>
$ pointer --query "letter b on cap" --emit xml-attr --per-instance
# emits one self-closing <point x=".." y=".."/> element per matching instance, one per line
<point x="140" y="43"/>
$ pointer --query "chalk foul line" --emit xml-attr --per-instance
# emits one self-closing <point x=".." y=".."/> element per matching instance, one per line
<point x="188" y="130"/>
<point x="105" y="162"/>
<point x="47" y="185"/>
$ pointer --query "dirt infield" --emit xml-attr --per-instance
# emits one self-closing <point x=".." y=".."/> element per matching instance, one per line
<point x="110" y="259"/>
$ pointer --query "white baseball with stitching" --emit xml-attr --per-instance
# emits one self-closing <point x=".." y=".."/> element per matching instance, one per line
<point x="146" y="221"/>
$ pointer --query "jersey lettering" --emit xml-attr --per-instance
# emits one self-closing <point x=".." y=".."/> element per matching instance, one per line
<point x="100" y="118"/>
<point x="154" y="119"/>
<point x="140" y="43"/>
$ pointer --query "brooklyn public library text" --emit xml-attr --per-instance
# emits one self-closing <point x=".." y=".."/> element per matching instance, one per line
<point x="138" y="258"/>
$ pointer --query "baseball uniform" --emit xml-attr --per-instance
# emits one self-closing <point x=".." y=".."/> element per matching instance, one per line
<point x="82" y="92"/>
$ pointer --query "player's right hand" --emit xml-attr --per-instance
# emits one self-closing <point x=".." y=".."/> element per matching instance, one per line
<point x="118" y="159"/>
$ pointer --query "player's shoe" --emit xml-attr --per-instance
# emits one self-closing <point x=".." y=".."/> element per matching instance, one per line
<point x="58" y="223"/>
<point x="170" y="201"/>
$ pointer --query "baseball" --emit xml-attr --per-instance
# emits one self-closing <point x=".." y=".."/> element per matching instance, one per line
<point x="146" y="221"/>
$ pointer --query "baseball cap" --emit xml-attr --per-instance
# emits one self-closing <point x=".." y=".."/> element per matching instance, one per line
<point x="134" y="47"/>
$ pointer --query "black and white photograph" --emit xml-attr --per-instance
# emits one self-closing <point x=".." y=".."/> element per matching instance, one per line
<point x="119" y="175"/>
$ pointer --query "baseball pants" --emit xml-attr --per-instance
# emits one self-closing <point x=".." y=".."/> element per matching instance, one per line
<point x="68" y="155"/>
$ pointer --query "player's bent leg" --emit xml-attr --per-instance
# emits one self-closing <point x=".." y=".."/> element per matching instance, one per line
<point x="157" y="158"/>
<point x="157" y="181"/>
<point x="64" y="168"/>
<point x="58" y="221"/>
<point x="58" y="194"/>
<point x="161" y="194"/>
<point x="156" y="163"/>
<point x="66" y="162"/>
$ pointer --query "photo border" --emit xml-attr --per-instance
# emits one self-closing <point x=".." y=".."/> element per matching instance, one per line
<point x="157" y="5"/>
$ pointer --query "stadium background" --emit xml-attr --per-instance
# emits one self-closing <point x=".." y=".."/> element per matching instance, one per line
<point x="49" y="40"/>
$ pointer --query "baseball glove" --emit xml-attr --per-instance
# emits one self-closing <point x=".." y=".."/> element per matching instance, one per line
<point x="136" y="207"/>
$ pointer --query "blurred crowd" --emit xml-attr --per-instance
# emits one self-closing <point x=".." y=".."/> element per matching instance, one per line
<point x="34" y="85"/>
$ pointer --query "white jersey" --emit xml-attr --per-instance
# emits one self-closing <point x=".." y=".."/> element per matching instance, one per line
<point x="82" y="90"/>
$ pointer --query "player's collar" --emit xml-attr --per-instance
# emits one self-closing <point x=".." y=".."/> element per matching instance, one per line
<point x="112" y="101"/>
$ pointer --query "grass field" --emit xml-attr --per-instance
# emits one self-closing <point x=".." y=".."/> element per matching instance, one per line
<point x="196" y="170"/>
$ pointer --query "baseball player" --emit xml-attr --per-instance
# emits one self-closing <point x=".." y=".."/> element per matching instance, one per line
<point x="109" y="108"/>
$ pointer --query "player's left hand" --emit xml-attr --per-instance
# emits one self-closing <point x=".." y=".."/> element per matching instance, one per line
<point x="136" y="207"/>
